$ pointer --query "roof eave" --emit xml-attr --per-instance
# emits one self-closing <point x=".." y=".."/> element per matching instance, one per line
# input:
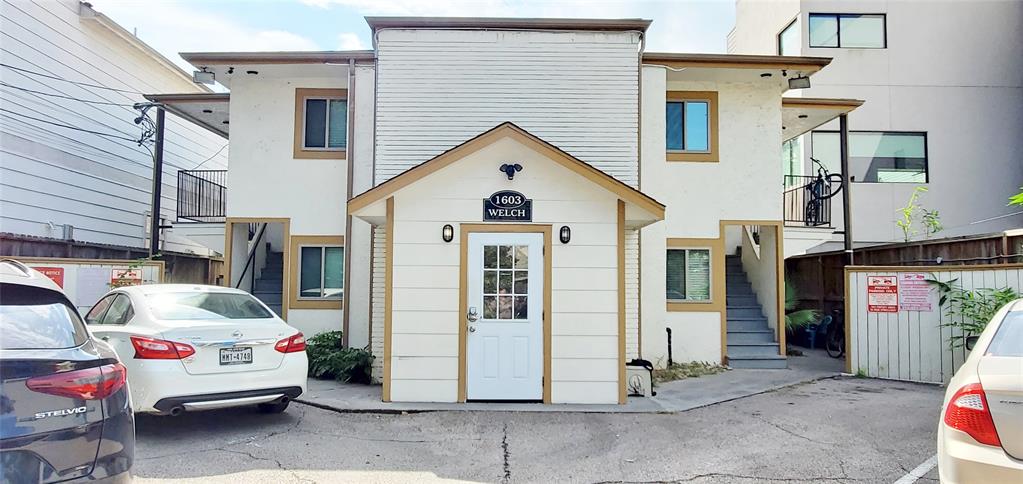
<point x="804" y="64"/>
<point x="284" y="57"/>
<point x="626" y="24"/>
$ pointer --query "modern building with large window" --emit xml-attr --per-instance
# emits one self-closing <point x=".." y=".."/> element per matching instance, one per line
<point x="943" y="85"/>
<point x="512" y="209"/>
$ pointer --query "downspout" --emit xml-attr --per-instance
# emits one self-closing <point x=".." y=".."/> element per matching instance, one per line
<point x="639" y="186"/>
<point x="350" y="177"/>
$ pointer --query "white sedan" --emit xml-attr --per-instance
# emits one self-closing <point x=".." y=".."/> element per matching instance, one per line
<point x="190" y="347"/>
<point x="980" y="434"/>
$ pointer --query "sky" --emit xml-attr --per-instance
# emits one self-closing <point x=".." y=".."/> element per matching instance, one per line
<point x="172" y="26"/>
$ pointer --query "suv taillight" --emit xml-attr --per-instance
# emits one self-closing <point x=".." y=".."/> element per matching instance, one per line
<point x="968" y="411"/>
<point x="158" y="349"/>
<point x="88" y="384"/>
<point x="293" y="344"/>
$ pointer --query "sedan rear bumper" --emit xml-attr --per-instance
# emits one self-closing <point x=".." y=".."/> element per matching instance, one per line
<point x="963" y="460"/>
<point x="227" y="399"/>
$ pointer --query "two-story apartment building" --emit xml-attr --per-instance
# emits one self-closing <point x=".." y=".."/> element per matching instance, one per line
<point x="513" y="209"/>
<point x="943" y="85"/>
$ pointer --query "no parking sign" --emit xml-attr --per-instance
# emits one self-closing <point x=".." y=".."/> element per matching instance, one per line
<point x="882" y="294"/>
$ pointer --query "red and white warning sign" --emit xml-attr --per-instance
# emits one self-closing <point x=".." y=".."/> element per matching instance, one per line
<point x="882" y="294"/>
<point x="56" y="274"/>
<point x="125" y="277"/>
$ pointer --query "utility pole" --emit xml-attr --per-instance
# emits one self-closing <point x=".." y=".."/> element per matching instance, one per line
<point x="154" y="222"/>
<point x="843" y="129"/>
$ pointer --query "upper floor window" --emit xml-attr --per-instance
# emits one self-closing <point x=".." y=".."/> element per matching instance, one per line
<point x="691" y="126"/>
<point x="875" y="156"/>
<point x="321" y="123"/>
<point x="848" y="30"/>
<point x="788" y="39"/>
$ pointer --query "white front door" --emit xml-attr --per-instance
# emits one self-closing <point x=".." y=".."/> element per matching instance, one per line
<point x="505" y="316"/>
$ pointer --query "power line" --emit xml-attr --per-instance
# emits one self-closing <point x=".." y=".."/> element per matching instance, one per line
<point x="107" y="103"/>
<point x="214" y="155"/>
<point x="69" y="126"/>
<point x="97" y="86"/>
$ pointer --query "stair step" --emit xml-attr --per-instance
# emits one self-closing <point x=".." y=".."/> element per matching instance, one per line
<point x="776" y="362"/>
<point x="742" y="350"/>
<point x="740" y="300"/>
<point x="744" y="312"/>
<point x="268" y="298"/>
<point x="747" y="325"/>
<point x="750" y="337"/>
<point x="266" y="285"/>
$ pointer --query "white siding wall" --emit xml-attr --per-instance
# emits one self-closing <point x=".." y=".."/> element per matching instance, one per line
<point x="98" y="184"/>
<point x="631" y="294"/>
<point x="379" y="261"/>
<point x="576" y="90"/>
<point x="584" y="275"/>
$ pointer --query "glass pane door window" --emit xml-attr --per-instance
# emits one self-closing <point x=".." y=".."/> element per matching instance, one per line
<point x="326" y="123"/>
<point x="688" y="126"/>
<point x="321" y="272"/>
<point x="875" y="156"/>
<point x="688" y="274"/>
<point x="505" y="282"/>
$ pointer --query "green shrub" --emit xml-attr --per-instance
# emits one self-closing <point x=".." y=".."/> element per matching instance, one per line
<point x="329" y="360"/>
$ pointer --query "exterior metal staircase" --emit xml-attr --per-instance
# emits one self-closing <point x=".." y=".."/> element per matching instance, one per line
<point x="751" y="342"/>
<point x="270" y="283"/>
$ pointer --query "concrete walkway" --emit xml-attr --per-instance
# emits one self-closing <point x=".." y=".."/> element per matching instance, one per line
<point x="671" y="397"/>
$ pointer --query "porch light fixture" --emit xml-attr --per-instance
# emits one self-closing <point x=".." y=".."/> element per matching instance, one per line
<point x="510" y="170"/>
<point x="800" y="82"/>
<point x="565" y="234"/>
<point x="447" y="233"/>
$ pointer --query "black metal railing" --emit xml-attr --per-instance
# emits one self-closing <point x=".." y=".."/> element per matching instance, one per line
<point x="807" y="201"/>
<point x="202" y="195"/>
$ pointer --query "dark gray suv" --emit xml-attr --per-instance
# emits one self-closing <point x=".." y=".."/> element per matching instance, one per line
<point x="65" y="412"/>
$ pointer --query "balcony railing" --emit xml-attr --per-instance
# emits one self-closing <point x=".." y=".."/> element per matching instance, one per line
<point x="202" y="196"/>
<point x="807" y="201"/>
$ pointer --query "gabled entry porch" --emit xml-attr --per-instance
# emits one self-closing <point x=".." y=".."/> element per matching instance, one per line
<point x="501" y="283"/>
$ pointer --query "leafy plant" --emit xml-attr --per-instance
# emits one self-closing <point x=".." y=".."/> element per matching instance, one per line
<point x="970" y="311"/>
<point x="1017" y="199"/>
<point x="329" y="360"/>
<point x="796" y="319"/>
<point x="930" y="219"/>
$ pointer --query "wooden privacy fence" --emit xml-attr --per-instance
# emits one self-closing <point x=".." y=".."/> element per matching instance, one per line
<point x="894" y="325"/>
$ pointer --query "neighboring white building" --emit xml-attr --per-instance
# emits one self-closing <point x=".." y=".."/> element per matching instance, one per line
<point x="68" y="73"/>
<point x="943" y="85"/>
<point x="512" y="209"/>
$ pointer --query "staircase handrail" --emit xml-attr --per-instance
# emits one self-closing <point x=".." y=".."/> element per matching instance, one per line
<point x="251" y="259"/>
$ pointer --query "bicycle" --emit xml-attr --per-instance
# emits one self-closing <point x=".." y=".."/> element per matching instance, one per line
<point x="834" y="344"/>
<point x="819" y="190"/>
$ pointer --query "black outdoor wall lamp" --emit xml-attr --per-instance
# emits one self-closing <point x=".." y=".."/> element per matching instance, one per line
<point x="447" y="233"/>
<point x="565" y="234"/>
<point x="510" y="170"/>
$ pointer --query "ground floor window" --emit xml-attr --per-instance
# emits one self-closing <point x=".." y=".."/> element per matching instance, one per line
<point x="875" y="156"/>
<point x="321" y="272"/>
<point x="688" y="274"/>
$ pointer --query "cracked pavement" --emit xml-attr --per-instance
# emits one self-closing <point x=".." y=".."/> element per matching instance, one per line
<point x="834" y="430"/>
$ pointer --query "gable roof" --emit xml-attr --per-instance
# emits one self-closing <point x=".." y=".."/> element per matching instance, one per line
<point x="507" y="129"/>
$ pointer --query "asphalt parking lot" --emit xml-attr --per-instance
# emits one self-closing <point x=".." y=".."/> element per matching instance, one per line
<point x="835" y="430"/>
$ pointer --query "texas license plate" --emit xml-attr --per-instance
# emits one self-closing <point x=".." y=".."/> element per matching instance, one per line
<point x="235" y="356"/>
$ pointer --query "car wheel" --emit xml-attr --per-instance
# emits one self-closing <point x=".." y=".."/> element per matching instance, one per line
<point x="274" y="407"/>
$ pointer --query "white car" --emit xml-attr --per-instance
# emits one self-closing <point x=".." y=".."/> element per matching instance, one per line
<point x="191" y="347"/>
<point x="980" y="433"/>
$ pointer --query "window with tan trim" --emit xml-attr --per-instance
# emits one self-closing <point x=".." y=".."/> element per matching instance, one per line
<point x="688" y="275"/>
<point x="321" y="123"/>
<point x="317" y="272"/>
<point x="691" y="126"/>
